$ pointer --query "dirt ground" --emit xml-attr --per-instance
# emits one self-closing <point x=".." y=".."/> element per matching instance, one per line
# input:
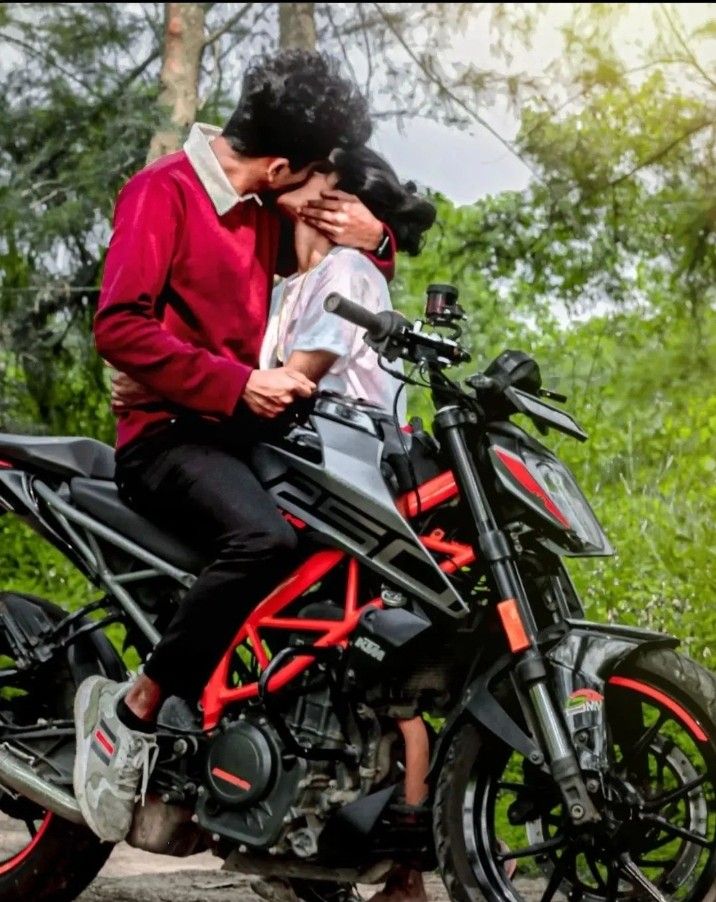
<point x="132" y="876"/>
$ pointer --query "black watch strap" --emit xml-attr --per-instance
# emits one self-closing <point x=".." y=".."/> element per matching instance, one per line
<point x="384" y="245"/>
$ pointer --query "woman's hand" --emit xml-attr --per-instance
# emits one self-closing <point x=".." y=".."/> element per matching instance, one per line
<point x="344" y="219"/>
<point x="126" y="393"/>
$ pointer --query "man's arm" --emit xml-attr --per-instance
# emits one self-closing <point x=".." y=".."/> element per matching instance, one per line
<point x="267" y="392"/>
<point x="127" y="332"/>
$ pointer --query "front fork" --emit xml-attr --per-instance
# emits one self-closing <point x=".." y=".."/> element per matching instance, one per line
<point x="516" y="614"/>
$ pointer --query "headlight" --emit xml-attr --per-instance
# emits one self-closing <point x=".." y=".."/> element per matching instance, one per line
<point x="567" y="495"/>
<point x="548" y="488"/>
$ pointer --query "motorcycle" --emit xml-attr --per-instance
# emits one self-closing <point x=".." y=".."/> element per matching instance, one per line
<point x="429" y="618"/>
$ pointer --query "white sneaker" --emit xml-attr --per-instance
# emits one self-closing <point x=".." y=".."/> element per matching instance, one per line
<point x="112" y="762"/>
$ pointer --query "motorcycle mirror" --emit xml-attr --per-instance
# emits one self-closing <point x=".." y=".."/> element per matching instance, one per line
<point x="553" y="395"/>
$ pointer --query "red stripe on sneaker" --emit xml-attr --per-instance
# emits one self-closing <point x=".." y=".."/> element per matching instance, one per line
<point x="104" y="742"/>
<point x="230" y="778"/>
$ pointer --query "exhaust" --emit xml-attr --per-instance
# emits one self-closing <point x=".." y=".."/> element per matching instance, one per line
<point x="20" y="777"/>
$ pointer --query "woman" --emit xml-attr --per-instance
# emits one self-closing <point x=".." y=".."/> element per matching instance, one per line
<point x="300" y="334"/>
<point x="331" y="352"/>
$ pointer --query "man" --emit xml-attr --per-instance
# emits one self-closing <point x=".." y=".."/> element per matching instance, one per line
<point x="182" y="312"/>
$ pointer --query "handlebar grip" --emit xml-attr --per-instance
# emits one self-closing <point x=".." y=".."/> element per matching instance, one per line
<point x="379" y="326"/>
<point x="354" y="313"/>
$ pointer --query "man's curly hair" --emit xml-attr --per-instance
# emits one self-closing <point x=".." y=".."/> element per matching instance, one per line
<point x="297" y="105"/>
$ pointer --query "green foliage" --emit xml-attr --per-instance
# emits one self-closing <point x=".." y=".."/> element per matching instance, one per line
<point x="643" y="385"/>
<point x="28" y="564"/>
<point x="627" y="200"/>
<point x="605" y="269"/>
<point x="647" y="397"/>
<point x="77" y="114"/>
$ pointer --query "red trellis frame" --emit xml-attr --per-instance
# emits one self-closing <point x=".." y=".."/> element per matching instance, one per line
<point x="268" y="614"/>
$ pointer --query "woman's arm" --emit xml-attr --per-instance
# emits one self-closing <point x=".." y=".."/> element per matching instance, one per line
<point x="313" y="364"/>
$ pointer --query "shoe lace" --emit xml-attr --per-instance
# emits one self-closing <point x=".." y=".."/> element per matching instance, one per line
<point x="142" y="758"/>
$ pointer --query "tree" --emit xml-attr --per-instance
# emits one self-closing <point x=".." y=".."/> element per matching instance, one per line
<point x="184" y="43"/>
<point x="297" y="25"/>
<point x="71" y="133"/>
<point x="85" y="90"/>
<point x="622" y="210"/>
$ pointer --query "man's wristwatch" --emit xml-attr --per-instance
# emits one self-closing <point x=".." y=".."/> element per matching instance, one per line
<point x="381" y="251"/>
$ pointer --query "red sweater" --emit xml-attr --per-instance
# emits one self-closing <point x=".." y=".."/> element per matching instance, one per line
<point x="184" y="298"/>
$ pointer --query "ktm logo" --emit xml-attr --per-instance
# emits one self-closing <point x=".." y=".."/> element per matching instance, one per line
<point x="370" y="648"/>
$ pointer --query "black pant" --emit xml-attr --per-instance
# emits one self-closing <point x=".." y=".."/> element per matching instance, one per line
<point x="192" y="480"/>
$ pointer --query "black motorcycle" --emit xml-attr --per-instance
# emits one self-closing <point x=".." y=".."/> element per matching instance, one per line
<point x="428" y="618"/>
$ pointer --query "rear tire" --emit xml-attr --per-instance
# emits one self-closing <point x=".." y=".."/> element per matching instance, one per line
<point x="61" y="859"/>
<point x="56" y="866"/>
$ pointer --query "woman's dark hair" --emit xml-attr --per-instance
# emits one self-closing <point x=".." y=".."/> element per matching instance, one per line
<point x="296" y="104"/>
<point x="363" y="172"/>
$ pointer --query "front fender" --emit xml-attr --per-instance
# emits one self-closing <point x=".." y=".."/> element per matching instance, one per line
<point x="582" y="655"/>
<point x="483" y="702"/>
<point x="594" y="651"/>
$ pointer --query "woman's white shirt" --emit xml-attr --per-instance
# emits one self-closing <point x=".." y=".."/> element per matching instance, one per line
<point x="298" y="322"/>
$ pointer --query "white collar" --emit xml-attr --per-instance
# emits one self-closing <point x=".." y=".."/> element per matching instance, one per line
<point x="221" y="192"/>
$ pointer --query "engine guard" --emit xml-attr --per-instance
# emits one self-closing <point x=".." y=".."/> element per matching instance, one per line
<point x="583" y="655"/>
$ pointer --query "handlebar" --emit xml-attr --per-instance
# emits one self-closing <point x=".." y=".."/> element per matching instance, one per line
<point x="393" y="336"/>
<point x="379" y="326"/>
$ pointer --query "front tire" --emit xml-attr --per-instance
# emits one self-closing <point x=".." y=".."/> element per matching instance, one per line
<point x="661" y="783"/>
<point x="456" y="870"/>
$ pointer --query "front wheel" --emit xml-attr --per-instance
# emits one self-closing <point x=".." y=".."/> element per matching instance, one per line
<point x="657" y="840"/>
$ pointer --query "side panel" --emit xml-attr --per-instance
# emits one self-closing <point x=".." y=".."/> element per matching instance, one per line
<point x="346" y="500"/>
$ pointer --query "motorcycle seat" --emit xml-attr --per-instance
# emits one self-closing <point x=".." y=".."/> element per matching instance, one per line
<point x="100" y="499"/>
<point x="65" y="456"/>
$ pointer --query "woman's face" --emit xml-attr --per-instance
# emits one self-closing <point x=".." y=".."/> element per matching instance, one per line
<point x="292" y="201"/>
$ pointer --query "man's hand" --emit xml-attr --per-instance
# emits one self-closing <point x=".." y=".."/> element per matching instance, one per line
<point x="126" y="393"/>
<point x="344" y="219"/>
<point x="269" y="392"/>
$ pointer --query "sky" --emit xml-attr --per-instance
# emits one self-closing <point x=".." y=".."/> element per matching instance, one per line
<point x="478" y="163"/>
<point x="467" y="165"/>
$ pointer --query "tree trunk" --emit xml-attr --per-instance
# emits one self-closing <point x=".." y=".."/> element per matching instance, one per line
<point x="181" y="59"/>
<point x="297" y="26"/>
